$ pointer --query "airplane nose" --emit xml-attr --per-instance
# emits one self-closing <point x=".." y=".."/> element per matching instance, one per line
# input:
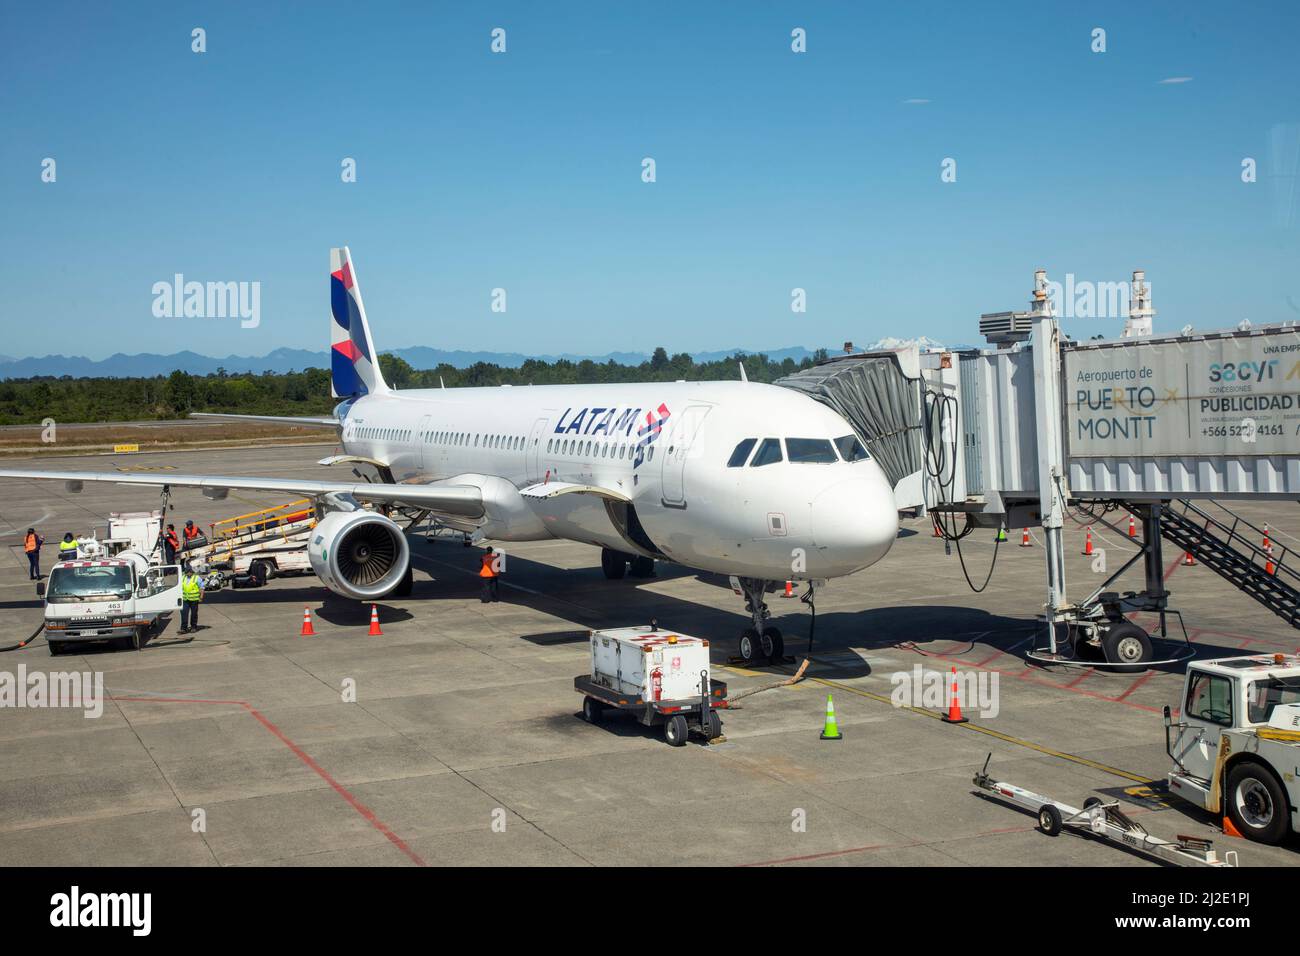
<point x="854" y="524"/>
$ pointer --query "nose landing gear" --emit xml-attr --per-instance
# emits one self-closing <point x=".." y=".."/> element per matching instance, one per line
<point x="763" y="641"/>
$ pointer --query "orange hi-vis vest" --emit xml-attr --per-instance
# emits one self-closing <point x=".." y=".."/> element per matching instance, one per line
<point x="488" y="571"/>
<point x="31" y="543"/>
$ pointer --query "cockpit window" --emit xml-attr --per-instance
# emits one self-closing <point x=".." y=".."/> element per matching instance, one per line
<point x="851" y="449"/>
<point x="814" y="451"/>
<point x="769" y="453"/>
<point x="741" y="454"/>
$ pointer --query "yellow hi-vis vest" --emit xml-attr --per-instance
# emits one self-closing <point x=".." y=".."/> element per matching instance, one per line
<point x="190" y="589"/>
<point x="67" y="549"/>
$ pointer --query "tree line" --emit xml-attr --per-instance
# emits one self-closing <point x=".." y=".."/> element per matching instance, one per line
<point x="66" y="399"/>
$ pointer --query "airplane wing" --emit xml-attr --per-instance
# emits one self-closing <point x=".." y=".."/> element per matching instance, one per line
<point x="460" y="500"/>
<point x="330" y="422"/>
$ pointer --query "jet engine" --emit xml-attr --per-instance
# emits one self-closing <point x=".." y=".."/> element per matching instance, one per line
<point x="359" y="554"/>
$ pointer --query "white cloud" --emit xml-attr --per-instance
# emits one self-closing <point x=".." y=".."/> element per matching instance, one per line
<point x="1171" y="80"/>
<point x="915" y="102"/>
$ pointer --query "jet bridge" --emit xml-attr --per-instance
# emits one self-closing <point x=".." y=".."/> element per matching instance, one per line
<point x="1167" y="428"/>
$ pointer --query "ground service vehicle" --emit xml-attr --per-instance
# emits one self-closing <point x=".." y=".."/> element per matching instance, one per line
<point x="1236" y="747"/>
<point x="659" y="676"/>
<point x="122" y="599"/>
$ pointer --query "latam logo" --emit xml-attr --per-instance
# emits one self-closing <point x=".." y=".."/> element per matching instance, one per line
<point x="615" y="421"/>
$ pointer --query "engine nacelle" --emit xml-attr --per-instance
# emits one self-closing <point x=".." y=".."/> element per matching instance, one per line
<point x="359" y="554"/>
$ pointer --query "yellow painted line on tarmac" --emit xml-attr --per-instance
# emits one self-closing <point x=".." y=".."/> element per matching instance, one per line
<point x="979" y="729"/>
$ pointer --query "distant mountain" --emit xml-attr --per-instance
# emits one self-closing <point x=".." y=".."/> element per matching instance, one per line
<point x="289" y="360"/>
<point x="890" y="343"/>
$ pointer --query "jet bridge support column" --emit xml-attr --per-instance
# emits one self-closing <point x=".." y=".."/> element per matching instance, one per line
<point x="1051" y="462"/>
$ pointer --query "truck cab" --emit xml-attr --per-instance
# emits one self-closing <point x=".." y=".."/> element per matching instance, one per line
<point x="1236" y="746"/>
<point x="119" y="600"/>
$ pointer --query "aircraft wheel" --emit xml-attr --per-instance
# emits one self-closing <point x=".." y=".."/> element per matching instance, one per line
<point x="749" y="645"/>
<point x="643" y="567"/>
<point x="773" y="643"/>
<point x="613" y="563"/>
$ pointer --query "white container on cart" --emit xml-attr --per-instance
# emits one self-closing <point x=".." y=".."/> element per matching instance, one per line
<point x="657" y="675"/>
<point x="651" y="663"/>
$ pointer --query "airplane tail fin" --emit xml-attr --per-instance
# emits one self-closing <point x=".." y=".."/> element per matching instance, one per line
<point x="354" y="363"/>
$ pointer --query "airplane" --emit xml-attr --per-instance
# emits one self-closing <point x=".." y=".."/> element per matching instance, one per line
<point x="756" y="482"/>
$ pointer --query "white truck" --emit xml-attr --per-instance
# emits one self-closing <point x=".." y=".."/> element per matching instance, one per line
<point x="1236" y="746"/>
<point x="660" y="676"/>
<point x="121" y="599"/>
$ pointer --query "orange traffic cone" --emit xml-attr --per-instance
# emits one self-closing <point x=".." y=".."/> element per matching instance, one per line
<point x="1024" y="539"/>
<point x="374" y="622"/>
<point x="307" y="630"/>
<point x="1087" y="544"/>
<point x="935" y="526"/>
<point x="1269" y="566"/>
<point x="789" y="589"/>
<point x="954" y="707"/>
<point x="1188" y="559"/>
<point x="1132" y="527"/>
<point x="1268" y="545"/>
<point x="1230" y="830"/>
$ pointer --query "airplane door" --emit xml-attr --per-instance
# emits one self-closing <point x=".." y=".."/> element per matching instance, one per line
<point x="533" y="453"/>
<point x="426" y="450"/>
<point x="680" y="438"/>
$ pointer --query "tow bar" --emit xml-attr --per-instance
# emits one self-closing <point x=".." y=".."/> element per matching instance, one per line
<point x="1105" y="821"/>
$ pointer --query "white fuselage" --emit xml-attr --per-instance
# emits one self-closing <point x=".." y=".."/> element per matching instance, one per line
<point x="785" y="520"/>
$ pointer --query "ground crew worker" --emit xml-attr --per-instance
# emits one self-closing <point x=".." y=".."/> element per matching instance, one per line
<point x="68" y="547"/>
<point x="191" y="533"/>
<point x="32" y="546"/>
<point x="171" y="544"/>
<point x="490" y="573"/>
<point x="191" y="596"/>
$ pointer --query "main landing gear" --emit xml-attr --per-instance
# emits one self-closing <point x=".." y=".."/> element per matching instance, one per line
<point x="616" y="564"/>
<point x="763" y="641"/>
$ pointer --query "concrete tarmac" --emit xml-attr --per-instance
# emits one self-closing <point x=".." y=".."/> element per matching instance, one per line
<point x="463" y="744"/>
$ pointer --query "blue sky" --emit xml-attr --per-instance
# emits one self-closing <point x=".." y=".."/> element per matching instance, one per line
<point x="522" y="171"/>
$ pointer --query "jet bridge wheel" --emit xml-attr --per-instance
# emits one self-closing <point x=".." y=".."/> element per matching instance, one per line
<point x="1128" y="646"/>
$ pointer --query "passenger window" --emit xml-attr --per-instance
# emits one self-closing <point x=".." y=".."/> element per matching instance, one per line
<point x="741" y="454"/>
<point x="1209" y="698"/>
<point x="815" y="451"/>
<point x="769" y="453"/>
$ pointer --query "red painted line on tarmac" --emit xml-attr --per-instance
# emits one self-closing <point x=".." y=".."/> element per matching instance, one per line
<point x="342" y="791"/>
<point x="1136" y="684"/>
<point x="1081" y="678"/>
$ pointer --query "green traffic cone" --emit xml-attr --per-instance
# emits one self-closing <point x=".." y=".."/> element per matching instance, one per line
<point x="832" y="730"/>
